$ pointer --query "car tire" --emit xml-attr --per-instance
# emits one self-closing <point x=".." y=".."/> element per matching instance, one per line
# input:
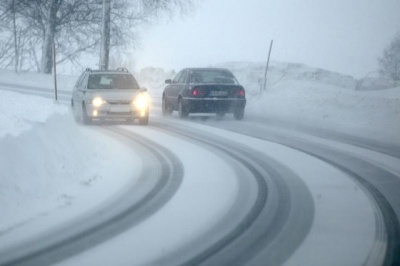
<point x="238" y="114"/>
<point x="166" y="109"/>
<point x="143" y="121"/>
<point x="86" y="120"/>
<point x="183" y="113"/>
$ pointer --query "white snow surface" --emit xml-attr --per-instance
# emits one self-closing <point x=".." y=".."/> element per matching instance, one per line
<point x="48" y="163"/>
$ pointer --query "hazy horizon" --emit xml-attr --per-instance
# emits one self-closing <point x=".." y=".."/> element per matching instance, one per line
<point x="342" y="36"/>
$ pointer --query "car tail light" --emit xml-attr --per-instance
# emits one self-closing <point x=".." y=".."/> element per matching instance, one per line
<point x="196" y="92"/>
<point x="240" y="92"/>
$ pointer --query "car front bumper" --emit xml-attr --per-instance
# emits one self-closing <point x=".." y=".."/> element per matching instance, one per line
<point x="116" y="112"/>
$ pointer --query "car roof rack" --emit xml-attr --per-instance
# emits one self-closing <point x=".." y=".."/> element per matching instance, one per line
<point x="123" y="69"/>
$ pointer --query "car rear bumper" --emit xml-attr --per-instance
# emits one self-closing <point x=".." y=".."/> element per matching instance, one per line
<point x="213" y="105"/>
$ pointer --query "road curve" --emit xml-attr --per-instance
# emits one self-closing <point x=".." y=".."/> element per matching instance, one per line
<point x="275" y="225"/>
<point x="381" y="184"/>
<point x="265" y="227"/>
<point x="158" y="182"/>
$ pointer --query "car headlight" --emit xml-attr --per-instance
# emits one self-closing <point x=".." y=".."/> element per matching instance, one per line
<point x="141" y="102"/>
<point x="97" y="101"/>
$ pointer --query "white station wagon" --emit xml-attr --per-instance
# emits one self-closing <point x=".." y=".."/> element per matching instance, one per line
<point x="109" y="94"/>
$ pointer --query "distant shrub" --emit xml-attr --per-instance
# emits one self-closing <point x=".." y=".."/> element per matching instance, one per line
<point x="390" y="61"/>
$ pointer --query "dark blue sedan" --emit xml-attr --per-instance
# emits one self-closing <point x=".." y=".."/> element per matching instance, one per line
<point x="204" y="90"/>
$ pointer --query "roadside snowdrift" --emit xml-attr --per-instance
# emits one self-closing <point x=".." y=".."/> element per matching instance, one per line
<point x="370" y="114"/>
<point x="46" y="161"/>
<point x="321" y="99"/>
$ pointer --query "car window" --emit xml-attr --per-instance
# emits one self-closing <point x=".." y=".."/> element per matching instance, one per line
<point x="212" y="76"/>
<point x="83" y="81"/>
<point x="177" y="77"/>
<point x="182" y="78"/>
<point x="112" y="81"/>
<point x="78" y="82"/>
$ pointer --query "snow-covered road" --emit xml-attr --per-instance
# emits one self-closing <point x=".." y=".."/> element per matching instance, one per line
<point x="233" y="193"/>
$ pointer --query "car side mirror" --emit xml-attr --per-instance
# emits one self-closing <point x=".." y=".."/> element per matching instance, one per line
<point x="168" y="81"/>
<point x="143" y="89"/>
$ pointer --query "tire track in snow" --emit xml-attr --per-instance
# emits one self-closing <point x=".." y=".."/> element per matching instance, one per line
<point x="155" y="187"/>
<point x="281" y="196"/>
<point x="380" y="184"/>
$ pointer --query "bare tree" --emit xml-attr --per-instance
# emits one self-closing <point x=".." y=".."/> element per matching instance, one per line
<point x="13" y="32"/>
<point x="70" y="24"/>
<point x="31" y="27"/>
<point x="390" y="61"/>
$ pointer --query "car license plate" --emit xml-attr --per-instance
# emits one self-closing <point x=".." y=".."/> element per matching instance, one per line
<point x="218" y="93"/>
<point x="120" y="109"/>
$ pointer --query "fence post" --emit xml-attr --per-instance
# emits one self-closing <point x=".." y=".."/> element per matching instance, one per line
<point x="266" y="68"/>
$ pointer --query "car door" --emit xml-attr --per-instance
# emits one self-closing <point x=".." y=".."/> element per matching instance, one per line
<point x="182" y="84"/>
<point x="80" y="91"/>
<point x="75" y="95"/>
<point x="174" y="91"/>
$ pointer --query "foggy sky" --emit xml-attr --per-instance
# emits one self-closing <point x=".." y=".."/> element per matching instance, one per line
<point x="346" y="36"/>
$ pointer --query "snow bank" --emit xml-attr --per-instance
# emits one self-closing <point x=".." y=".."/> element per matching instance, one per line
<point x="313" y="97"/>
<point x="251" y="75"/>
<point x="46" y="160"/>
<point x="372" y="114"/>
<point x="19" y="112"/>
<point x="32" y="79"/>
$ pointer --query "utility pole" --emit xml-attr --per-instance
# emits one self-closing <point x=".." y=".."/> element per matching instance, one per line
<point x="55" y="72"/>
<point x="105" y="35"/>
<point x="266" y="68"/>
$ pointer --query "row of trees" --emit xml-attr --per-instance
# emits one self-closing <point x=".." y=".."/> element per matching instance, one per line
<point x="29" y="28"/>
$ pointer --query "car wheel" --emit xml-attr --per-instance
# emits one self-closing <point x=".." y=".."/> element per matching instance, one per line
<point x="166" y="110"/>
<point x="144" y="120"/>
<point x="85" y="118"/>
<point x="238" y="113"/>
<point x="183" y="113"/>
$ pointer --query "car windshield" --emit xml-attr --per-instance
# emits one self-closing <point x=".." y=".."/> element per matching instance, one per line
<point x="212" y="76"/>
<point x="112" y="81"/>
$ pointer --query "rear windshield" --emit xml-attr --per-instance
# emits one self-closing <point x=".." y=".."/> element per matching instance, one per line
<point x="211" y="76"/>
<point x="112" y="81"/>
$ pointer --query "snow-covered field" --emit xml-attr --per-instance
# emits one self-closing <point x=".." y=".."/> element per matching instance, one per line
<point x="48" y="163"/>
